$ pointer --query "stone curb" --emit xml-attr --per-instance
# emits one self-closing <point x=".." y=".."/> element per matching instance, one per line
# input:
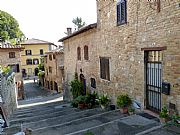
<point x="149" y="130"/>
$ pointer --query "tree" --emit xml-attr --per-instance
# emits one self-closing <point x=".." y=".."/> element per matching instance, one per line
<point x="78" y="22"/>
<point x="9" y="28"/>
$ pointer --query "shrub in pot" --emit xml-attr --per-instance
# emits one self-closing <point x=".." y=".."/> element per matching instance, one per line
<point x="124" y="101"/>
<point x="81" y="102"/>
<point x="91" y="100"/>
<point x="103" y="101"/>
<point x="131" y="110"/>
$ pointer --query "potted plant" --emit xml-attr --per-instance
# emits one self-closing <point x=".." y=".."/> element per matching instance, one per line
<point x="131" y="110"/>
<point x="81" y="101"/>
<point x="76" y="88"/>
<point x="103" y="101"/>
<point x="91" y="100"/>
<point x="164" y="115"/>
<point x="124" y="101"/>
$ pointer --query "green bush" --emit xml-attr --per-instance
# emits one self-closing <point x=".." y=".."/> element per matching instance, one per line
<point x="91" y="99"/>
<point x="164" y="113"/>
<point x="104" y="100"/>
<point x="124" y="100"/>
<point x="76" y="88"/>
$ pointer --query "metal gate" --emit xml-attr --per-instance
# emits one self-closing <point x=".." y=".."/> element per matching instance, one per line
<point x="153" y="77"/>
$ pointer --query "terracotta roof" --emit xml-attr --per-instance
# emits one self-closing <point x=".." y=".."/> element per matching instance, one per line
<point x="9" y="46"/>
<point x="84" y="29"/>
<point x="58" y="50"/>
<point x="35" y="41"/>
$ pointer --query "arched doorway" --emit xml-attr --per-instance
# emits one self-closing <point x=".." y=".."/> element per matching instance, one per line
<point x="83" y="80"/>
<point x="36" y="70"/>
<point x="24" y="73"/>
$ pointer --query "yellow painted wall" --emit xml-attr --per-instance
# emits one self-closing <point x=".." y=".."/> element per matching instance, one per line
<point x="35" y="50"/>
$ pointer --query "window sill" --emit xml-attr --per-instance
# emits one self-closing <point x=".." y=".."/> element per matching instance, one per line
<point x="119" y="24"/>
<point x="104" y="80"/>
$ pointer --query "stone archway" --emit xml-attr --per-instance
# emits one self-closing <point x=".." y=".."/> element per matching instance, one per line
<point x="83" y="80"/>
<point x="36" y="70"/>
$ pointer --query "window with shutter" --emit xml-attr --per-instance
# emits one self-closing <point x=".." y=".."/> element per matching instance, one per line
<point x="104" y="68"/>
<point x="28" y="52"/>
<point x="29" y="61"/>
<point x="78" y="53"/>
<point x="11" y="54"/>
<point x="41" y="52"/>
<point x="93" y="83"/>
<point x="86" y="56"/>
<point x="121" y="12"/>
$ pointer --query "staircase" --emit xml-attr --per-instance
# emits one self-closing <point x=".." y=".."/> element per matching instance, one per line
<point x="60" y="119"/>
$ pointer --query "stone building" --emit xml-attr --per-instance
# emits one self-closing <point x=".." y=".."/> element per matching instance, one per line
<point x="10" y="55"/>
<point x="80" y="56"/>
<point x="54" y="70"/>
<point x="135" y="50"/>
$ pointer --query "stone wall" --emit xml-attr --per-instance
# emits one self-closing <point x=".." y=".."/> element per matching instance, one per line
<point x="8" y="93"/>
<point x="145" y="27"/>
<point x="124" y="44"/>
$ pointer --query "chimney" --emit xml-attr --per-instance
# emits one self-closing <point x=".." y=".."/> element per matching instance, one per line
<point x="69" y="31"/>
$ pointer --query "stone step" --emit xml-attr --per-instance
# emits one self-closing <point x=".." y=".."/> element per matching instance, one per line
<point x="40" y="111"/>
<point x="63" y="119"/>
<point x="36" y="108"/>
<point x="130" y="125"/>
<point x="44" y="116"/>
<point x="79" y="124"/>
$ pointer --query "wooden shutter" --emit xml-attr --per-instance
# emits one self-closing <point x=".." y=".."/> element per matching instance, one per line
<point x="79" y="53"/>
<point x="118" y="13"/>
<point x="86" y="56"/>
<point x="121" y="12"/>
<point x="106" y="65"/>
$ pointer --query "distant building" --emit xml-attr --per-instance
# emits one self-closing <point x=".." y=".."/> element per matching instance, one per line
<point x="31" y="56"/>
<point x="10" y="55"/>
<point x="54" y="70"/>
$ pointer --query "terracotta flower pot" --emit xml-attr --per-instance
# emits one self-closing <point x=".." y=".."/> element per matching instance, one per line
<point x="125" y="110"/>
<point x="81" y="105"/>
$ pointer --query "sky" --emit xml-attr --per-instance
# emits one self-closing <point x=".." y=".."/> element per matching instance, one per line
<point x="48" y="19"/>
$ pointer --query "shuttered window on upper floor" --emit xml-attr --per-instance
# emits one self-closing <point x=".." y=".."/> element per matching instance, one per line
<point x="104" y="68"/>
<point x="78" y="53"/>
<point x="86" y="55"/>
<point x="121" y="12"/>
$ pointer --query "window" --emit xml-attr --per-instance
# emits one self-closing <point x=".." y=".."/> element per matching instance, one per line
<point x="30" y="70"/>
<point x="79" y="53"/>
<point x="35" y="61"/>
<point x="93" y="83"/>
<point x="41" y="52"/>
<point x="11" y="54"/>
<point x="121" y="12"/>
<point x="28" y="52"/>
<point x="86" y="56"/>
<point x="104" y="68"/>
<point x="50" y="57"/>
<point x="29" y="62"/>
<point x="50" y="69"/>
<point x="54" y="56"/>
<point x="15" y="68"/>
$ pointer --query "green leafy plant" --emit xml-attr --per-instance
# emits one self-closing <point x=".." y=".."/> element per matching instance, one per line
<point x="130" y="109"/>
<point x="76" y="88"/>
<point x="6" y="70"/>
<point x="104" y="100"/>
<point x="164" y="113"/>
<point x="91" y="99"/>
<point x="124" y="100"/>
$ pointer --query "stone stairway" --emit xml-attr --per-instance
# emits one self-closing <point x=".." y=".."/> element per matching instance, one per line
<point x="60" y="119"/>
